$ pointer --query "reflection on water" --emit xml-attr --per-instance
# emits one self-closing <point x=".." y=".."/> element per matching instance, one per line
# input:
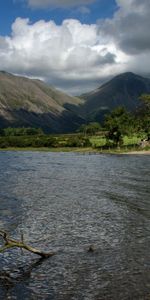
<point x="66" y="202"/>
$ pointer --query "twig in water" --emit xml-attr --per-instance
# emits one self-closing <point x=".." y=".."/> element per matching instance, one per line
<point x="11" y="243"/>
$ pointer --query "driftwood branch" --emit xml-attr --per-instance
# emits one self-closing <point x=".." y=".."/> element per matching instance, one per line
<point x="11" y="243"/>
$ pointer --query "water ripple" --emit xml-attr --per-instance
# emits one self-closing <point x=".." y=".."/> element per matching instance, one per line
<point x="66" y="202"/>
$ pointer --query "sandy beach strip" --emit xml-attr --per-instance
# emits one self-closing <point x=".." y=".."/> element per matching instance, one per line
<point x="138" y="152"/>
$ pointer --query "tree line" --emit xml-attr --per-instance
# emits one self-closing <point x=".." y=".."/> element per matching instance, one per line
<point x="22" y="131"/>
<point x="116" y="125"/>
<point x="120" y="122"/>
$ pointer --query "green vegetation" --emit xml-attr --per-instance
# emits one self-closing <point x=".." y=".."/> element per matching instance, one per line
<point x="118" y="124"/>
<point x="91" y="128"/>
<point x="74" y="142"/>
<point x="26" y="141"/>
<point x="121" y="130"/>
<point x="143" y="116"/>
<point x="48" y="141"/>
<point x="22" y="131"/>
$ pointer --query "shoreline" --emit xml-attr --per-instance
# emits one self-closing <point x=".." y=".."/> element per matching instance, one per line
<point x="79" y="150"/>
<point x="140" y="152"/>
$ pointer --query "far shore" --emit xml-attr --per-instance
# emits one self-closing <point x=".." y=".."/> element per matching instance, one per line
<point x="80" y="150"/>
<point x="147" y="152"/>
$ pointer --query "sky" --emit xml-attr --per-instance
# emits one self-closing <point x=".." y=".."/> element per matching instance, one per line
<point x="75" y="45"/>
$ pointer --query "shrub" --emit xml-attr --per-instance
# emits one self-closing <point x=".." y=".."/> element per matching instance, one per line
<point x="78" y="141"/>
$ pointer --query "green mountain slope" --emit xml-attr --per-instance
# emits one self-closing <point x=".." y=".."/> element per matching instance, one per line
<point x="122" y="90"/>
<point x="32" y="103"/>
<point x="29" y="102"/>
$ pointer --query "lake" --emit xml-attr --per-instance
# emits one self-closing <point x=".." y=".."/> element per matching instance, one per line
<point x="65" y="202"/>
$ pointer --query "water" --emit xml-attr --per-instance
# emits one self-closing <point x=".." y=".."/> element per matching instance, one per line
<point x="65" y="202"/>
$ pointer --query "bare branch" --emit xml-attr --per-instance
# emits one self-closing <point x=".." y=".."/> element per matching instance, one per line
<point x="11" y="243"/>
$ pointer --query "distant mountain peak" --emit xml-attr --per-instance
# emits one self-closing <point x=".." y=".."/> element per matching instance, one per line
<point x="122" y="90"/>
<point x="126" y="75"/>
<point x="33" y="103"/>
<point x="4" y="72"/>
<point x="129" y="73"/>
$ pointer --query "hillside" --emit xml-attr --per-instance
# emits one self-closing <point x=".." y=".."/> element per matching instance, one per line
<point x="30" y="102"/>
<point x="122" y="90"/>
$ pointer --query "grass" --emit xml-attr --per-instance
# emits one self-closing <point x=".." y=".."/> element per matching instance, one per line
<point x="49" y="149"/>
<point x="131" y="140"/>
<point x="100" y="141"/>
<point x="97" y="141"/>
<point x="97" y="144"/>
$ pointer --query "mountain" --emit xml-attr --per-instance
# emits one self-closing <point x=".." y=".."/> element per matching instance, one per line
<point x="122" y="90"/>
<point x="32" y="103"/>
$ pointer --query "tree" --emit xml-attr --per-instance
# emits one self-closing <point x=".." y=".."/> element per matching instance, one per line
<point x="90" y="128"/>
<point x="1" y="132"/>
<point x="22" y="131"/>
<point x="143" y="115"/>
<point x="145" y="98"/>
<point x="78" y="141"/>
<point x="118" y="123"/>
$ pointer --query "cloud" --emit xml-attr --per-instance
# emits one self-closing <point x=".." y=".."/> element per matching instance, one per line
<point x="57" y="3"/>
<point x="78" y="57"/>
<point x="129" y="29"/>
<point x="69" y="52"/>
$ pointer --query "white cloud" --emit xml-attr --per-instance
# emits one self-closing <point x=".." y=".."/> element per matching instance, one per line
<point x="129" y="29"/>
<point x="76" y="56"/>
<point x="69" y="52"/>
<point x="57" y="3"/>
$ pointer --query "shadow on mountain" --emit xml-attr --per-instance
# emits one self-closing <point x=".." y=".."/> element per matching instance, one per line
<point x="123" y="90"/>
<point x="65" y="122"/>
<point x="32" y="103"/>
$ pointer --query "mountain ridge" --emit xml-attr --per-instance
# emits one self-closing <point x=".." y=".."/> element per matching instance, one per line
<point x="27" y="102"/>
<point x="122" y="90"/>
<point x="32" y="103"/>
